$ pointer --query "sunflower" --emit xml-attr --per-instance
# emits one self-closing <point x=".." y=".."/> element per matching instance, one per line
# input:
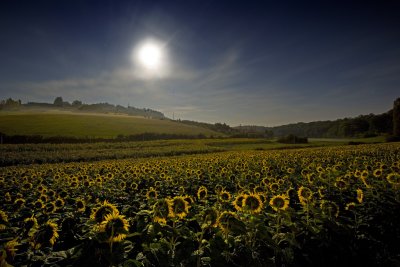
<point x="279" y="202"/>
<point x="329" y="208"/>
<point x="38" y="204"/>
<point x="115" y="226"/>
<point x="180" y="207"/>
<point x="238" y="202"/>
<point x="80" y="205"/>
<point x="360" y="195"/>
<point x="27" y="186"/>
<point x="188" y="199"/>
<point x="305" y="195"/>
<point x="7" y="197"/>
<point x="134" y="186"/>
<point x="202" y="193"/>
<point x="274" y="187"/>
<point x="100" y="213"/>
<point x="322" y="191"/>
<point x="226" y="221"/>
<point x="19" y="202"/>
<point x="30" y="225"/>
<point x="350" y="206"/>
<point x="290" y="170"/>
<point x="341" y="184"/>
<point x="377" y="173"/>
<point x="210" y="217"/>
<point x="218" y="188"/>
<point x="59" y="203"/>
<point x="10" y="249"/>
<point x="393" y="178"/>
<point x="50" y="207"/>
<point x="151" y="194"/>
<point x="3" y="220"/>
<point x="252" y="203"/>
<point x="162" y="209"/>
<point x="224" y="196"/>
<point x="46" y="234"/>
<point x="63" y="194"/>
<point x="43" y="198"/>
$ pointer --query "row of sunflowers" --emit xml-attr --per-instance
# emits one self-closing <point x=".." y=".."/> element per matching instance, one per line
<point x="305" y="207"/>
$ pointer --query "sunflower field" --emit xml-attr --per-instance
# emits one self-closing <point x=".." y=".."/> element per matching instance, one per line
<point x="332" y="206"/>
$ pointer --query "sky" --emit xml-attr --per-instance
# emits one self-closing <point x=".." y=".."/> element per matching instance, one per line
<point x="249" y="62"/>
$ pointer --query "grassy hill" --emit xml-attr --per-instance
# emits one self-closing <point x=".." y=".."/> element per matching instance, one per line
<point x="81" y="125"/>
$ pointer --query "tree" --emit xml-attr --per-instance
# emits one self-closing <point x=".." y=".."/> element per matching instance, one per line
<point x="396" y="117"/>
<point x="58" y="101"/>
<point x="77" y="103"/>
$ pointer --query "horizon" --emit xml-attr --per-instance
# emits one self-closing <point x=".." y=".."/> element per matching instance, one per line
<point x="257" y="63"/>
<point x="179" y="119"/>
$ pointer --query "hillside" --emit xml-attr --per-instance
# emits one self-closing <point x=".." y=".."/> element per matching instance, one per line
<point x="91" y="125"/>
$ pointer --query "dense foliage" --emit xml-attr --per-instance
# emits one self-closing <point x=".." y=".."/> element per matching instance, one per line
<point x="309" y="207"/>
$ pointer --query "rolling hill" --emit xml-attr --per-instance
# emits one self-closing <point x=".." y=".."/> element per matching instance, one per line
<point x="91" y="125"/>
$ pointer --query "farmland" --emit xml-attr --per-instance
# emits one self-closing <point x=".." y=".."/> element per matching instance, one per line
<point x="235" y="205"/>
<point x="90" y="125"/>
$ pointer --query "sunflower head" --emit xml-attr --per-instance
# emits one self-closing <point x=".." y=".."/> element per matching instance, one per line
<point x="80" y="205"/>
<point x="7" y="197"/>
<point x="329" y="208"/>
<point x="100" y="213"/>
<point x="115" y="227"/>
<point x="3" y="220"/>
<point x="38" y="204"/>
<point x="252" y="203"/>
<point x="305" y="195"/>
<point x="393" y="178"/>
<point x="59" y="203"/>
<point x="151" y="194"/>
<point x="279" y="202"/>
<point x="228" y="222"/>
<point x="180" y="207"/>
<point x="50" y="207"/>
<point x="19" y="202"/>
<point x="162" y="209"/>
<point x="350" y="206"/>
<point x="30" y="225"/>
<point x="202" y="193"/>
<point x="224" y="196"/>
<point x="274" y="187"/>
<point x="210" y="217"/>
<point x="238" y="202"/>
<point x="360" y="195"/>
<point x="341" y="184"/>
<point x="46" y="234"/>
<point x="377" y="173"/>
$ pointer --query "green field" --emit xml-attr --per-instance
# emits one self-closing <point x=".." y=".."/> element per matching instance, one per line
<point x="90" y="125"/>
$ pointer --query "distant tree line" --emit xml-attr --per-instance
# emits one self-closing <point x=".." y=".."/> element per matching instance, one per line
<point x="77" y="105"/>
<point x="361" y="126"/>
<point x="10" y="104"/>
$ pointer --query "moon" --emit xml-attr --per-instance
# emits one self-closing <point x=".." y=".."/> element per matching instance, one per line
<point x="150" y="55"/>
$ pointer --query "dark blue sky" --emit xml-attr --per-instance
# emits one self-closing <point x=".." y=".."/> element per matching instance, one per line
<point x="239" y="62"/>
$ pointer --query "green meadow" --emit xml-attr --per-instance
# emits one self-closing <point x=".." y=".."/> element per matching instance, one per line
<point x="91" y="125"/>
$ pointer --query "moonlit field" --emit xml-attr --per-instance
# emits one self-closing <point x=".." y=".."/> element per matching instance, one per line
<point x="199" y="133"/>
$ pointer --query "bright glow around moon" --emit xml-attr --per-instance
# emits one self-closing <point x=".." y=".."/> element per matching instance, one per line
<point x="150" y="55"/>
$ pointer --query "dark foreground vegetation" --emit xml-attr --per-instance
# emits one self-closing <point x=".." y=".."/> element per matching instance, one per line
<point x="310" y="207"/>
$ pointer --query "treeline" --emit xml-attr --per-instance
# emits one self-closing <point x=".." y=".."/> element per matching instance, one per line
<point x="77" y="105"/>
<point x="217" y="127"/>
<point x="38" y="139"/>
<point x="361" y="126"/>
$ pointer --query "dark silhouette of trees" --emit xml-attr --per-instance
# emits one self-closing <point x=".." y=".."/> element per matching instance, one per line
<point x="396" y="117"/>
